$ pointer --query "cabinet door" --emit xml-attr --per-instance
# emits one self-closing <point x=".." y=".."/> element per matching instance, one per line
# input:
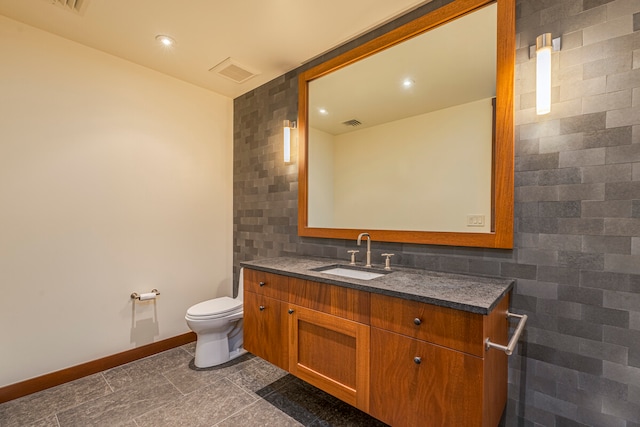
<point x="415" y="383"/>
<point x="332" y="353"/>
<point x="265" y="329"/>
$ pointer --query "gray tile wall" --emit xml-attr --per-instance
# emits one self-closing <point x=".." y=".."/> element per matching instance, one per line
<point x="577" y="211"/>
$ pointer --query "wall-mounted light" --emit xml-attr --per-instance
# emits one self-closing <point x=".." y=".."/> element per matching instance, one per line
<point x="544" y="45"/>
<point x="288" y="125"/>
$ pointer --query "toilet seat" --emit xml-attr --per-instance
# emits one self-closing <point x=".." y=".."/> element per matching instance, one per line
<point x="214" y="308"/>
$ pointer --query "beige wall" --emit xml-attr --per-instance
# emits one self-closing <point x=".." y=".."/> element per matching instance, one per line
<point x="113" y="179"/>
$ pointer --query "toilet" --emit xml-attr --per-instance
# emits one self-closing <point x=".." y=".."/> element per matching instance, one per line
<point x="218" y="326"/>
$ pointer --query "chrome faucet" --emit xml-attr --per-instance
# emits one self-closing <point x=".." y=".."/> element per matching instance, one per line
<point x="360" y="236"/>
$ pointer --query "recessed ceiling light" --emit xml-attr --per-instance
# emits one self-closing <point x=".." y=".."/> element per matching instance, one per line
<point x="323" y="111"/>
<point x="165" y="40"/>
<point x="407" y="83"/>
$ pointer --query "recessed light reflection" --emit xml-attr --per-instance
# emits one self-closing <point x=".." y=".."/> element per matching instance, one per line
<point x="407" y="83"/>
<point x="165" y="40"/>
<point x="323" y="111"/>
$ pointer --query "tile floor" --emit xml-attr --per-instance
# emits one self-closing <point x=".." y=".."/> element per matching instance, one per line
<point x="167" y="390"/>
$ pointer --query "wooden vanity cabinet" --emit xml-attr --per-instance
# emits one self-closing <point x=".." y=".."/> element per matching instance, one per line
<point x="404" y="362"/>
<point x="429" y="365"/>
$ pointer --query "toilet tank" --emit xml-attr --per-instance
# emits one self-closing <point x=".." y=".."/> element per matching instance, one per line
<point x="240" y="295"/>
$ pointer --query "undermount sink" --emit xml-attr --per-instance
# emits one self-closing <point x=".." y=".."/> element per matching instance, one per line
<point x="352" y="273"/>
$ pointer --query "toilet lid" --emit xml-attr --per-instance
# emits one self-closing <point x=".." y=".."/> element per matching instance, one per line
<point x="215" y="307"/>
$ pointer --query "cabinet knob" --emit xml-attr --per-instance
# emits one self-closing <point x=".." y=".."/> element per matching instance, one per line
<point x="261" y="307"/>
<point x="290" y="311"/>
<point x="262" y="283"/>
<point x="417" y="321"/>
<point x="417" y="360"/>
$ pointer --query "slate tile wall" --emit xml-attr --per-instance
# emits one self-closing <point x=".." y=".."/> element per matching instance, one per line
<point x="576" y="256"/>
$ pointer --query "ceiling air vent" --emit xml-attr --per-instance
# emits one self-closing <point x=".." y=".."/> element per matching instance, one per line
<point x="70" y="5"/>
<point x="233" y="70"/>
<point x="352" y="122"/>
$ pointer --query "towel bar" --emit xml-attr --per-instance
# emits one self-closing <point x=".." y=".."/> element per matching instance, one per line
<point x="514" y="339"/>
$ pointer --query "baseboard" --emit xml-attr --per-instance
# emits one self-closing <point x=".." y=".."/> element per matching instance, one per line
<point x="43" y="382"/>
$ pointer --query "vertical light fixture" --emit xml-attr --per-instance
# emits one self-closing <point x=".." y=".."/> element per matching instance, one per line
<point x="288" y="125"/>
<point x="543" y="74"/>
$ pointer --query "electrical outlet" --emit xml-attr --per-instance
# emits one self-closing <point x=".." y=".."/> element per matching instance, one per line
<point x="475" y="220"/>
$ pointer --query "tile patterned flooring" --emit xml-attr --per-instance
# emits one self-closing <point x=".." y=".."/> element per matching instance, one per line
<point x="167" y="390"/>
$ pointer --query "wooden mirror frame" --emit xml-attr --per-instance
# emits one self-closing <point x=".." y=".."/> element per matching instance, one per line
<point x="501" y="235"/>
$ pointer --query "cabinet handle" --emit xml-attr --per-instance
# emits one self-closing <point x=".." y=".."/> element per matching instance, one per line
<point x="290" y="311"/>
<point x="417" y="321"/>
<point x="417" y="360"/>
<point x="261" y="307"/>
<point x="262" y="284"/>
<point x="514" y="339"/>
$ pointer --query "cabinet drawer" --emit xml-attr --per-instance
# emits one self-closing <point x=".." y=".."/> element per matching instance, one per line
<point x="343" y="302"/>
<point x="456" y="329"/>
<point x="267" y="284"/>
<point x="415" y="384"/>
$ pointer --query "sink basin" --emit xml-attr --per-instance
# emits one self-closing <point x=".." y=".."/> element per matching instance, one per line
<point x="343" y="271"/>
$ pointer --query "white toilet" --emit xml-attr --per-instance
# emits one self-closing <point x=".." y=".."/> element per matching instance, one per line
<point x="218" y="325"/>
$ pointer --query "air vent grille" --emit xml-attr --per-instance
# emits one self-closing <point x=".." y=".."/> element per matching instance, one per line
<point x="233" y="70"/>
<point x="352" y="122"/>
<point x="71" y="5"/>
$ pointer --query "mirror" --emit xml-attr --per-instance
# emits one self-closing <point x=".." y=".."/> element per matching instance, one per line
<point x="427" y="162"/>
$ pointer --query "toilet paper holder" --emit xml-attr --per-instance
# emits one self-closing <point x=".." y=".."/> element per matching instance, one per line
<point x="151" y="295"/>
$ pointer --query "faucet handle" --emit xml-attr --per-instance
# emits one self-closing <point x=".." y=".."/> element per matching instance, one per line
<point x="353" y="256"/>
<point x="387" y="262"/>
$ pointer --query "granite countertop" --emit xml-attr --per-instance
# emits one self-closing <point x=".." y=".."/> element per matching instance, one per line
<point x="476" y="294"/>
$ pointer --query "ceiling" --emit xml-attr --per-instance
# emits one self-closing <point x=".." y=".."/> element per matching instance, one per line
<point x="271" y="37"/>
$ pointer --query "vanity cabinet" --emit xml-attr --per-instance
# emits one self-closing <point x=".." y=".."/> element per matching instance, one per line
<point x="405" y="362"/>
<point x="438" y="362"/>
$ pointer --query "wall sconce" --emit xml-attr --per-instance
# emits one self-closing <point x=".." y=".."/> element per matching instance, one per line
<point x="544" y="46"/>
<point x="288" y="125"/>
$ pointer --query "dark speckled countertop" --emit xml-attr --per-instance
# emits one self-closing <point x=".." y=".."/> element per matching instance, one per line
<point x="477" y="294"/>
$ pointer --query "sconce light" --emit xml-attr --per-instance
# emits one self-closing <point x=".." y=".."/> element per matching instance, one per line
<point x="543" y="48"/>
<point x="288" y="125"/>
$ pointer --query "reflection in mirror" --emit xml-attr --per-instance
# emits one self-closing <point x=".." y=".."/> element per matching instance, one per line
<point x="410" y="136"/>
<point x="403" y="139"/>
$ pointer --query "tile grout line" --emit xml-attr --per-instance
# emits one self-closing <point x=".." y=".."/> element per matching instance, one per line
<point x="106" y="381"/>
<point x="171" y="382"/>
<point x="85" y="401"/>
<point x="249" y="393"/>
<point x="237" y="412"/>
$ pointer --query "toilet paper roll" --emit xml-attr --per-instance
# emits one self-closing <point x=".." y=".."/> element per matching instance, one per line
<point x="148" y="295"/>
